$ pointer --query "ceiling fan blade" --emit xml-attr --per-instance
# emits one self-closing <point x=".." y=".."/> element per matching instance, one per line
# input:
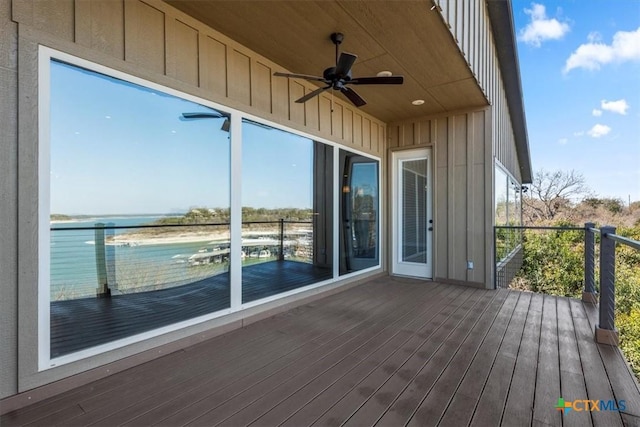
<point x="299" y="76"/>
<point x="202" y="115"/>
<point x="353" y="96"/>
<point x="345" y="62"/>
<point x="390" y="80"/>
<point x="312" y="94"/>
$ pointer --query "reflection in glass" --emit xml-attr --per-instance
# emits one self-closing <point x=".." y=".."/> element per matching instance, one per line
<point x="501" y="214"/>
<point x="286" y="211"/>
<point x="133" y="183"/>
<point x="359" y="248"/>
<point x="414" y="211"/>
<point x="500" y="197"/>
<point x="508" y="212"/>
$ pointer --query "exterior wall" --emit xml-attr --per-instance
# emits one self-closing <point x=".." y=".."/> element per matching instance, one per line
<point x="151" y="40"/>
<point x="459" y="148"/>
<point x="8" y="201"/>
<point x="471" y="28"/>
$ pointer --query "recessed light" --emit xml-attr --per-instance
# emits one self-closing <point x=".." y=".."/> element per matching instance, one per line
<point x="418" y="102"/>
<point x="384" y="74"/>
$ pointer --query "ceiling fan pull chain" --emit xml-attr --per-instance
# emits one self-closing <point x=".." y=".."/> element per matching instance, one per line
<point x="332" y="101"/>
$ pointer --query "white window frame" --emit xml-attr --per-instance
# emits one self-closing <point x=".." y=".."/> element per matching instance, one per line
<point x="45" y="56"/>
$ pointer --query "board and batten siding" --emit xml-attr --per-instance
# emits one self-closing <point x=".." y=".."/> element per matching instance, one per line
<point x="459" y="153"/>
<point x="153" y="40"/>
<point x="8" y="201"/>
<point x="468" y="21"/>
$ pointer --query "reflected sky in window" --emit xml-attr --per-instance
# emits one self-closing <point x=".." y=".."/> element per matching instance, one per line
<point x="117" y="147"/>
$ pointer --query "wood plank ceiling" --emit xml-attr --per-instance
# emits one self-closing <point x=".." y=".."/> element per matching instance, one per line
<point x="404" y="37"/>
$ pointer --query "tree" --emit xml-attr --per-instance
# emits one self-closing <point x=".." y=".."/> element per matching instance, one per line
<point x="550" y="192"/>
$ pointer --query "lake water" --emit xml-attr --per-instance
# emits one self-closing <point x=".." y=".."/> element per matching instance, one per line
<point x="73" y="260"/>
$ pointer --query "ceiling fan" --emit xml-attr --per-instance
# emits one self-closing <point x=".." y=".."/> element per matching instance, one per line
<point x="339" y="76"/>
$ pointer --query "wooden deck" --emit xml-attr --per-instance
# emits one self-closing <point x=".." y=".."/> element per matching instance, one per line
<point x="82" y="323"/>
<point x="390" y="352"/>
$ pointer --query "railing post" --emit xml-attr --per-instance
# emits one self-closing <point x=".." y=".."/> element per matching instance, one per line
<point x="110" y="258"/>
<point x="606" y="332"/>
<point x="495" y="259"/>
<point x="101" y="263"/>
<point x="281" y="255"/>
<point x="589" y="293"/>
<point x="105" y="260"/>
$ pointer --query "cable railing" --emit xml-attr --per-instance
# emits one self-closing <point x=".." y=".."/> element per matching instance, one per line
<point x="105" y="258"/>
<point x="595" y="277"/>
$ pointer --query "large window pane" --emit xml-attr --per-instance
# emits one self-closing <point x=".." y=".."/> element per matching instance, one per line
<point x="139" y="197"/>
<point x="359" y="207"/>
<point x="286" y="211"/>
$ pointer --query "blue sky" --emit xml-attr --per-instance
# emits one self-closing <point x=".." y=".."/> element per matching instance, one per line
<point x="120" y="148"/>
<point x="580" y="71"/>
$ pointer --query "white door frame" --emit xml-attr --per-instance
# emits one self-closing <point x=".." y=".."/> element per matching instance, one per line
<point x="398" y="266"/>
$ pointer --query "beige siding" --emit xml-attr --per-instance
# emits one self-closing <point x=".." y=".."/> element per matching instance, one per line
<point x="470" y="26"/>
<point x="459" y="200"/>
<point x="8" y="202"/>
<point x="99" y="26"/>
<point x="158" y="40"/>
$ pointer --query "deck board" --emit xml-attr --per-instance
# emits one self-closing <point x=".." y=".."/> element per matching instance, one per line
<point x="572" y="383"/>
<point x="487" y="333"/>
<point x="328" y="398"/>
<point x="290" y="395"/>
<point x="436" y="401"/>
<point x="498" y="360"/>
<point x="373" y="334"/>
<point x="548" y="373"/>
<point x="596" y="379"/>
<point x="617" y="372"/>
<point x="393" y="377"/>
<point x="196" y="402"/>
<point x="82" y="323"/>
<point x="523" y="381"/>
<point x="388" y="352"/>
<point x="408" y="386"/>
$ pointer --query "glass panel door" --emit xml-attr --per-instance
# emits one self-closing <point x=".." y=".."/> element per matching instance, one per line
<point x="413" y="224"/>
<point x="359" y="247"/>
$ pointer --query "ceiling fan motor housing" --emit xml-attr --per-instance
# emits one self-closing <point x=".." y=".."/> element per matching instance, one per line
<point x="330" y="75"/>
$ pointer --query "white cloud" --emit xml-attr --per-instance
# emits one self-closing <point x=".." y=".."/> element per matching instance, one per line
<point x="541" y="28"/>
<point x="563" y="141"/>
<point x="596" y="112"/>
<point x="599" y="130"/>
<point x="592" y="55"/>
<point x="620" y="106"/>
<point x="578" y="134"/>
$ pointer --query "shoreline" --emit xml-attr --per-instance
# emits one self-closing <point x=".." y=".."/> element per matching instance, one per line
<point x="145" y="240"/>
